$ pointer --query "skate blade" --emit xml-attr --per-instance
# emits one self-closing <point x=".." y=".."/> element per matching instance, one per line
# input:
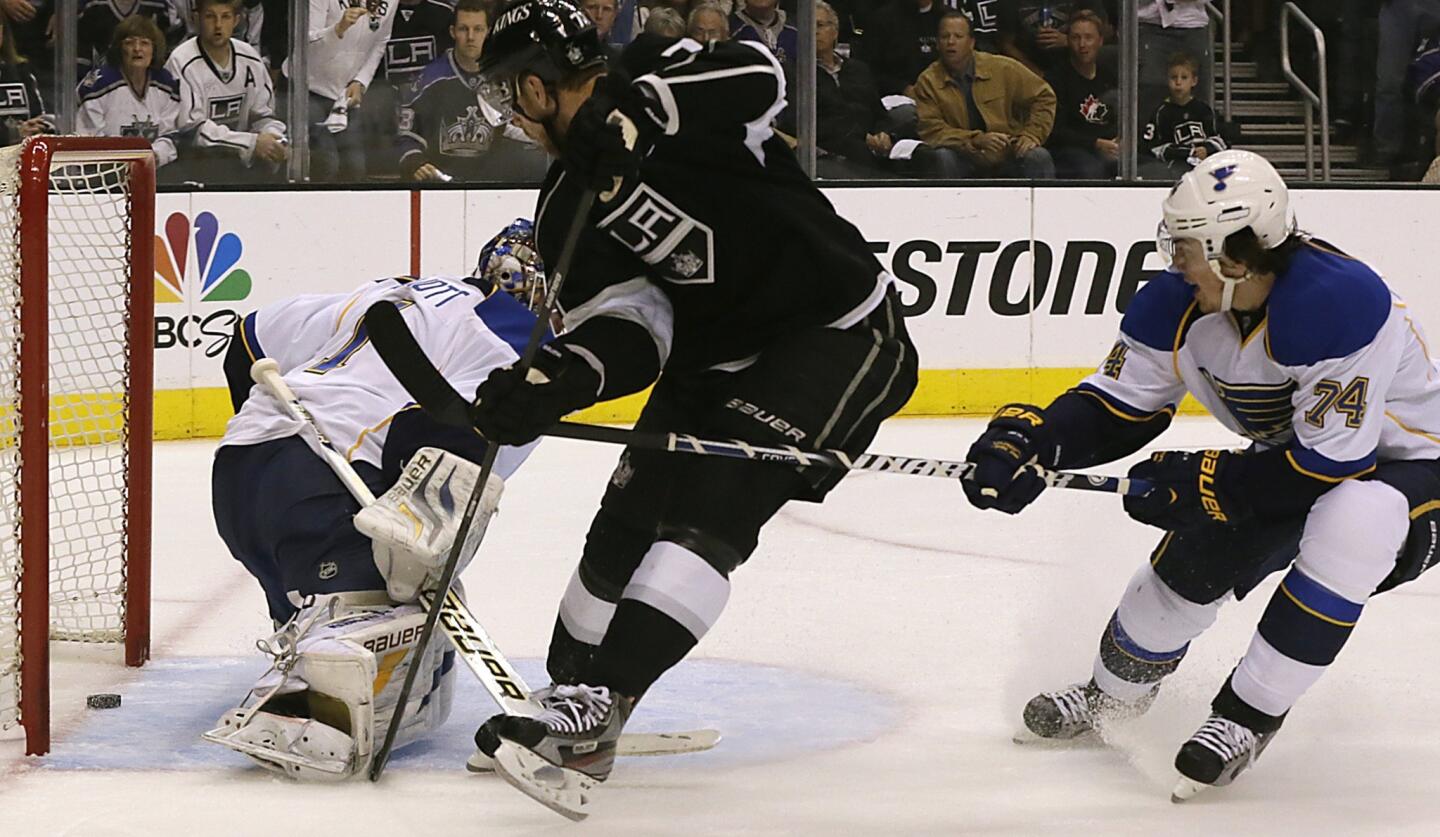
<point x="632" y="745"/>
<point x="564" y="791"/>
<point x="1185" y="789"/>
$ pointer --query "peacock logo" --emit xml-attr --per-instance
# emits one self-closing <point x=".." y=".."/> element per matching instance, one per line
<point x="215" y="259"/>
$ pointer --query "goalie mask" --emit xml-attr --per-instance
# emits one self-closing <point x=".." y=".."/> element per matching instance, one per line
<point x="511" y="263"/>
<point x="1228" y="192"/>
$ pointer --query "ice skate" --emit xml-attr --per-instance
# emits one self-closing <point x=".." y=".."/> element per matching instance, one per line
<point x="558" y="757"/>
<point x="1075" y="712"/>
<point x="1218" y="752"/>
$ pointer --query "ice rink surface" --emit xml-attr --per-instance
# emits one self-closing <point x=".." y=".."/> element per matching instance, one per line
<point x="868" y="674"/>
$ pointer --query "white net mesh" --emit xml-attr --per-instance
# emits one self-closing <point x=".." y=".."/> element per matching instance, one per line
<point x="89" y="312"/>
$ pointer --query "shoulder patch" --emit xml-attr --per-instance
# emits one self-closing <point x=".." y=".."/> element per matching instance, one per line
<point x="1160" y="312"/>
<point x="99" y="81"/>
<point x="1326" y="305"/>
<point x="165" y="81"/>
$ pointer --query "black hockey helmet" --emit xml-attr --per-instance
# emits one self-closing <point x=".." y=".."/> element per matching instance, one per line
<point x="548" y="38"/>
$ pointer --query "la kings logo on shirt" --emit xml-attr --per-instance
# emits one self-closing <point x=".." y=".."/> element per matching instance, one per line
<point x="14" y="101"/>
<point x="468" y="136"/>
<point x="226" y="110"/>
<point x="143" y="126"/>
<point x="664" y="236"/>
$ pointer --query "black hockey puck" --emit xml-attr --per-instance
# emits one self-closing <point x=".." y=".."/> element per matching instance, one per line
<point x="106" y="701"/>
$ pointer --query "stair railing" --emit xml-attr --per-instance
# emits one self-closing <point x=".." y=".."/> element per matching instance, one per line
<point x="1221" y="14"/>
<point x="1312" y="99"/>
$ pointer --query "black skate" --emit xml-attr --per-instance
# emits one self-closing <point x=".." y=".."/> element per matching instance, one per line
<point x="558" y="757"/>
<point x="1218" y="752"/>
<point x="1075" y="711"/>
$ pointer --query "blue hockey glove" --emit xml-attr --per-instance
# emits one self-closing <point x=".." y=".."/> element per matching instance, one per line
<point x="1189" y="491"/>
<point x="1016" y="436"/>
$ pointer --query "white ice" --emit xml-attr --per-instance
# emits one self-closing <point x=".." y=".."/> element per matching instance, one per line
<point x="944" y="620"/>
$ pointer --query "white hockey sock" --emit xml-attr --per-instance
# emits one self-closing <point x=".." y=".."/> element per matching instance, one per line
<point x="1149" y="633"/>
<point x="680" y="584"/>
<point x="585" y="615"/>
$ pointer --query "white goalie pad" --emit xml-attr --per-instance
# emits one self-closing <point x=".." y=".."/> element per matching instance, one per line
<point x="317" y="714"/>
<point x="413" y="525"/>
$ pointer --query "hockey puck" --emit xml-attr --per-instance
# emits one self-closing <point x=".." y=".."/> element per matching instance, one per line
<point x="106" y="701"/>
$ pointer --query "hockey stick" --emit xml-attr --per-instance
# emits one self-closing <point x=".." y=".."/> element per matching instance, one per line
<point x="407" y="361"/>
<point x="457" y="621"/>
<point x="384" y="316"/>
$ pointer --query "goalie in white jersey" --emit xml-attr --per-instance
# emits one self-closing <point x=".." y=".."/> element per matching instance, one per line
<point x="341" y="583"/>
<point x="1304" y="350"/>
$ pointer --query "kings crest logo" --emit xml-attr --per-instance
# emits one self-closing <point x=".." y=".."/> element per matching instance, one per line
<point x="142" y="127"/>
<point x="1221" y="175"/>
<point x="468" y="136"/>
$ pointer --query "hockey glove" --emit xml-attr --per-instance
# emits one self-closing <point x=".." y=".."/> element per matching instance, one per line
<point x="1016" y="437"/>
<point x="1189" y="491"/>
<point x="515" y="410"/>
<point x="603" y="145"/>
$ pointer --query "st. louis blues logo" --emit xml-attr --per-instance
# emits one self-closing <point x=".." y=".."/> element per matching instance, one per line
<point x="1220" y="175"/>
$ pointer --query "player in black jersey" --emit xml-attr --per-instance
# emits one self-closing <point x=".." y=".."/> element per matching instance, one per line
<point x="708" y="257"/>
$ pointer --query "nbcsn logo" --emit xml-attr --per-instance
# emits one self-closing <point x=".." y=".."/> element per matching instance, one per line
<point x="215" y="259"/>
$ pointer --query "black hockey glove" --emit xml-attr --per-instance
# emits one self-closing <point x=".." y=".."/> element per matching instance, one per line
<point x="604" y="143"/>
<point x="513" y="410"/>
<point x="1017" y="436"/>
<point x="1189" y="491"/>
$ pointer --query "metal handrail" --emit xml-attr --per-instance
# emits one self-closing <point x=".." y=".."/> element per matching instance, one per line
<point x="1222" y="14"/>
<point x="1312" y="99"/>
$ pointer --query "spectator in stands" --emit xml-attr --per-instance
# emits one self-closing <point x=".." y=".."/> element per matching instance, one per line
<point x="987" y="21"/>
<point x="1035" y="32"/>
<point x="343" y="52"/>
<point x="1168" y="27"/>
<point x="900" y="42"/>
<point x="764" y="21"/>
<point x="987" y="115"/>
<point x="665" y="22"/>
<point x="1425" y="81"/>
<point x="1403" y="24"/>
<point x="708" y="23"/>
<point x="33" y="35"/>
<point x="98" y="19"/>
<point x="228" y="127"/>
<point x="129" y="95"/>
<point x="447" y="131"/>
<point x="1084" y="141"/>
<point x="22" y="111"/>
<point x="249" y="23"/>
<point x="603" y="14"/>
<point x="1182" y="131"/>
<point x="421" y="34"/>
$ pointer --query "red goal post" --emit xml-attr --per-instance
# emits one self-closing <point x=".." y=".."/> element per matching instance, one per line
<point x="76" y="402"/>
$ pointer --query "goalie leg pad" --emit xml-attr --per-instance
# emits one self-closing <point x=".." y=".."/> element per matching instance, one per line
<point x="414" y="524"/>
<point x="340" y="665"/>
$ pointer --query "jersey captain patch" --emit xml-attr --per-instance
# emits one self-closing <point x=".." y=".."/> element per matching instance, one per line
<point x="682" y="248"/>
<point x="1263" y="411"/>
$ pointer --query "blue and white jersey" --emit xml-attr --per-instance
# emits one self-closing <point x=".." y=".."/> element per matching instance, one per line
<point x="110" y="107"/>
<point x="324" y="353"/>
<point x="1337" y="372"/>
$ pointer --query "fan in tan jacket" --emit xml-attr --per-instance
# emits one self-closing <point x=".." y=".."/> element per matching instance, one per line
<point x="990" y="113"/>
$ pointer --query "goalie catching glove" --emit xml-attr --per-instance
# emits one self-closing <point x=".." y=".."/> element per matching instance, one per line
<point x="413" y="525"/>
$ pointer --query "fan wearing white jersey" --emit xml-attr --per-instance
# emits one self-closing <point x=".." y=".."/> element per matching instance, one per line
<point x="227" y="102"/>
<point x="1304" y="350"/>
<point x="130" y="95"/>
<point x="342" y="582"/>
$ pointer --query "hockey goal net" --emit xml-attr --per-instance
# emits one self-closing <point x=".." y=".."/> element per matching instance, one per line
<point x="76" y="345"/>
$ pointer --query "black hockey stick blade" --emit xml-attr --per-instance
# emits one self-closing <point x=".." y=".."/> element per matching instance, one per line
<point x="410" y="366"/>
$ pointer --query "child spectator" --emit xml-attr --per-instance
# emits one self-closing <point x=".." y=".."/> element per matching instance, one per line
<point x="22" y="112"/>
<point x="227" y="103"/>
<point x="1183" y="131"/>
<point x="130" y="95"/>
<point x="1084" y="140"/>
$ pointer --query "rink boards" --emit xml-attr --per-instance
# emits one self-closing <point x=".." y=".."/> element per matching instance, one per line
<point x="1011" y="293"/>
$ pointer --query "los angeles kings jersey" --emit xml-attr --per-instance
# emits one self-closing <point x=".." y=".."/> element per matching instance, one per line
<point x="324" y="353"/>
<point x="110" y="107"/>
<point x="1338" y="372"/>
<point x="721" y="245"/>
<point x="223" y="108"/>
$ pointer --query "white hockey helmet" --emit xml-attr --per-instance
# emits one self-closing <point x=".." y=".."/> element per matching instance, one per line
<point x="1226" y="193"/>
